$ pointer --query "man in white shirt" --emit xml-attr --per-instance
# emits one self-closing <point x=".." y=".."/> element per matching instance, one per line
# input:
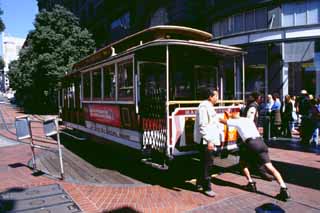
<point x="255" y="150"/>
<point x="207" y="135"/>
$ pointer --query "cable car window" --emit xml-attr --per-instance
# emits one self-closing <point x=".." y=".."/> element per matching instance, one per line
<point x="86" y="86"/>
<point x="125" y="81"/>
<point x="183" y="84"/>
<point x="110" y="77"/>
<point x="153" y="78"/>
<point x="96" y="75"/>
<point x="206" y="78"/>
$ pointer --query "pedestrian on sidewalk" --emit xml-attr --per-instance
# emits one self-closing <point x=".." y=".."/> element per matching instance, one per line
<point x="304" y="109"/>
<point x="254" y="149"/>
<point x="276" y="116"/>
<point x="206" y="134"/>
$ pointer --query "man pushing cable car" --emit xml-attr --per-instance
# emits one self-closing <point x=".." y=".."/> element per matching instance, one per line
<point x="253" y="149"/>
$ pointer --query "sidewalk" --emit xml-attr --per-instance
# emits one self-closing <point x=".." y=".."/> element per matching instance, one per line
<point x="300" y="169"/>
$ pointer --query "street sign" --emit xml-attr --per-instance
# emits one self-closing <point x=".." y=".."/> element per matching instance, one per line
<point x="50" y="127"/>
<point x="22" y="128"/>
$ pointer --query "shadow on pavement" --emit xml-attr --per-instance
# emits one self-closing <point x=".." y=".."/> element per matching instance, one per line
<point x="221" y="182"/>
<point x="112" y="156"/>
<point x="288" y="144"/>
<point x="7" y="205"/>
<point x="299" y="175"/>
<point x="122" y="210"/>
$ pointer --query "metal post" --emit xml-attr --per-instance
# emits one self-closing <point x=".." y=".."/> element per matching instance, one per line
<point x="59" y="149"/>
<point x="234" y="78"/>
<point x="243" y="80"/>
<point x="167" y="98"/>
<point x="32" y="147"/>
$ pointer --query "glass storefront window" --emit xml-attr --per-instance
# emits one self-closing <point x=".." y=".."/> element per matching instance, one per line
<point x="301" y="14"/>
<point x="274" y="17"/>
<point x="238" y="23"/>
<point x="287" y="15"/>
<point x="249" y="20"/>
<point x="313" y="8"/>
<point x="255" y="69"/>
<point x="302" y="65"/>
<point x="216" y="29"/>
<point x="261" y="18"/>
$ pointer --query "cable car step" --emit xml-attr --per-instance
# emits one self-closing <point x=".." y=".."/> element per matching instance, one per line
<point x="149" y="162"/>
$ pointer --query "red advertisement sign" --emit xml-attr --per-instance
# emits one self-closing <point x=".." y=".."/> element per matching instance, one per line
<point x="104" y="114"/>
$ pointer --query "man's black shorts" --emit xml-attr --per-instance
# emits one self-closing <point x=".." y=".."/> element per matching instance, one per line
<point x="254" y="151"/>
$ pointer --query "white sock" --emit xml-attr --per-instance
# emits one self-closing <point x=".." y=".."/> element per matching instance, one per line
<point x="283" y="185"/>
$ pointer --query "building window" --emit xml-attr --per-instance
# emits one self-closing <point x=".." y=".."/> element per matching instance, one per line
<point x="249" y="20"/>
<point x="160" y="17"/>
<point x="120" y="27"/>
<point x="261" y="18"/>
<point x="303" y="64"/>
<point x="216" y="29"/>
<point x="238" y="23"/>
<point x="300" y="13"/>
<point x="274" y="18"/>
<point x="313" y="8"/>
<point x="122" y="22"/>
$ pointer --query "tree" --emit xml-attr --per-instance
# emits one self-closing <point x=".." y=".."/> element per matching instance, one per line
<point x="1" y="63"/>
<point x="56" y="43"/>
<point x="2" y="26"/>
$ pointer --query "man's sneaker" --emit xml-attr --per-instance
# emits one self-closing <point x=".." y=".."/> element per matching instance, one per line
<point x="251" y="186"/>
<point x="283" y="195"/>
<point x="209" y="193"/>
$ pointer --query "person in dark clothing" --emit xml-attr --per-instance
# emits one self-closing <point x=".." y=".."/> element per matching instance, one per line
<point x="276" y="116"/>
<point x="304" y="109"/>
<point x="287" y="116"/>
<point x="251" y="110"/>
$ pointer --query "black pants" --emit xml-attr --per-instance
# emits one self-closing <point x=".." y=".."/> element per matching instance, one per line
<point x="206" y="163"/>
<point x="254" y="151"/>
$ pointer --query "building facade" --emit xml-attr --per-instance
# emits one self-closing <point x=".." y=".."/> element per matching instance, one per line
<point x="281" y="37"/>
<point x="282" y="41"/>
<point x="10" y="51"/>
<point x="110" y="20"/>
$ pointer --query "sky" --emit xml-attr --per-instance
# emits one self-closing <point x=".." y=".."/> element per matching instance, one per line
<point x="18" y="16"/>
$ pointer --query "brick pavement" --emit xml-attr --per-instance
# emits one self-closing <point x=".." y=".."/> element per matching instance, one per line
<point x="301" y="169"/>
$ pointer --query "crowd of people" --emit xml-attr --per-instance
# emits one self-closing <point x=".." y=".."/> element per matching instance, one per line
<point x="294" y="115"/>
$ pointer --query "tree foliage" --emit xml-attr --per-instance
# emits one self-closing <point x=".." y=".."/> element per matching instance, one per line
<point x="2" y="26"/>
<point x="56" y="43"/>
<point x="1" y="63"/>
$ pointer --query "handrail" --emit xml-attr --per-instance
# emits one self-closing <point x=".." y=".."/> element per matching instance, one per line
<point x="199" y="101"/>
